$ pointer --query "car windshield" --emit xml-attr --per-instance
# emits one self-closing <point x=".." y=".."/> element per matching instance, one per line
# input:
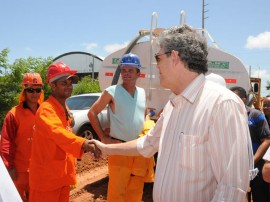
<point x="81" y="102"/>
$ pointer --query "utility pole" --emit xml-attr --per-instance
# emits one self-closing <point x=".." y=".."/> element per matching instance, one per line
<point x="203" y="12"/>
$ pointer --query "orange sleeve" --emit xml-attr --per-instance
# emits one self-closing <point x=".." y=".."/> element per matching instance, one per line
<point x="8" y="145"/>
<point x="54" y="129"/>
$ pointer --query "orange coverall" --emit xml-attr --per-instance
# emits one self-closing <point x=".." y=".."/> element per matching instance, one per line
<point x="16" y="144"/>
<point x="133" y="171"/>
<point x="52" y="166"/>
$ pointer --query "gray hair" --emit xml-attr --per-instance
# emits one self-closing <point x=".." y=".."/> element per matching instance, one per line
<point x="191" y="47"/>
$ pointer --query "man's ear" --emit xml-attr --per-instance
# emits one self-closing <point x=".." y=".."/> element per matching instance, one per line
<point x="52" y="85"/>
<point x="174" y="55"/>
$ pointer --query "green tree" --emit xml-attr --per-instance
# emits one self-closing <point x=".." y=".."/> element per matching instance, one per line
<point x="268" y="85"/>
<point x="11" y="77"/>
<point x="86" y="85"/>
<point x="7" y="94"/>
<point x="38" y="65"/>
<point x="4" y="61"/>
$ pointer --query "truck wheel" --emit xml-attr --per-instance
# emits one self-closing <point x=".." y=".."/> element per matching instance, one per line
<point x="88" y="132"/>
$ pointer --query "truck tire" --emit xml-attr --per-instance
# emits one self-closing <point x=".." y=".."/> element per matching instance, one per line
<point x="87" y="132"/>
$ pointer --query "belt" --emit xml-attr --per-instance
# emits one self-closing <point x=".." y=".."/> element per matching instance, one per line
<point x="117" y="139"/>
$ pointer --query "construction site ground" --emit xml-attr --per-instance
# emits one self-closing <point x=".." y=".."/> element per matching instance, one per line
<point x="92" y="177"/>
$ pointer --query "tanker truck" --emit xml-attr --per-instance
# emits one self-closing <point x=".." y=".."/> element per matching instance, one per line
<point x="219" y="62"/>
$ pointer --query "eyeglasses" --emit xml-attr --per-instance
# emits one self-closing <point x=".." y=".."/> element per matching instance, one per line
<point x="159" y="54"/>
<point x="32" y="90"/>
<point x="266" y="106"/>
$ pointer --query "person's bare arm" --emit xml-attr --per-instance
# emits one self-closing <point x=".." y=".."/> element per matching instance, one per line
<point x="127" y="148"/>
<point x="261" y="150"/>
<point x="266" y="171"/>
<point x="96" y="108"/>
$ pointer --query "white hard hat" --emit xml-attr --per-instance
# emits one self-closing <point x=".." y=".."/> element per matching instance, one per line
<point x="216" y="79"/>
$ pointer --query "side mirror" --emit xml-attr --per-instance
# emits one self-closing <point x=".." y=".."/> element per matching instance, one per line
<point x="256" y="88"/>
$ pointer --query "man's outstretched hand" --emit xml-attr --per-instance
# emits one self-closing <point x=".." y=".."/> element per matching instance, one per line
<point x="100" y="146"/>
<point x="89" y="146"/>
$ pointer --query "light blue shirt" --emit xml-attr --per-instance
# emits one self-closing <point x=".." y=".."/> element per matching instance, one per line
<point x="126" y="123"/>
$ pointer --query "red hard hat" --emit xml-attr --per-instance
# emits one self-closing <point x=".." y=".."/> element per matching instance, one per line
<point x="58" y="70"/>
<point x="32" y="78"/>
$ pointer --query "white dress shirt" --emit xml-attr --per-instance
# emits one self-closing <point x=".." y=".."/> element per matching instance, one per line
<point x="201" y="139"/>
<point x="267" y="155"/>
<point x="8" y="191"/>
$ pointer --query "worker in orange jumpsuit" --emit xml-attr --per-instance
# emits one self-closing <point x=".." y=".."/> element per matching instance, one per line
<point x="17" y="133"/>
<point x="55" y="147"/>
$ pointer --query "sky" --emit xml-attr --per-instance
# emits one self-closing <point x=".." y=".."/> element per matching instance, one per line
<point x="44" y="28"/>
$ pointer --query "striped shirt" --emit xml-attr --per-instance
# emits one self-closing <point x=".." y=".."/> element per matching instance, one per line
<point x="201" y="139"/>
<point x="267" y="155"/>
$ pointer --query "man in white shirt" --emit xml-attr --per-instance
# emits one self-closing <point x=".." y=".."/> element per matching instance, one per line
<point x="8" y="191"/>
<point x="202" y="135"/>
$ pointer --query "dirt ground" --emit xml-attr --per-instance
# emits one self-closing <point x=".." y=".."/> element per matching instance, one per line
<point x="92" y="176"/>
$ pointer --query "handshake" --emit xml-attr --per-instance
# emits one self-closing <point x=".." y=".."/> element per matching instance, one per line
<point x="91" y="146"/>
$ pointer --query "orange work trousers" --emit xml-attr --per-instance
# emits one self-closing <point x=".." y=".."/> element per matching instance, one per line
<point x="22" y="185"/>
<point x="123" y="186"/>
<point x="58" y="195"/>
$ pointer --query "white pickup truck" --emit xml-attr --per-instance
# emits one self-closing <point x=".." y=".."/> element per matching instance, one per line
<point x="79" y="106"/>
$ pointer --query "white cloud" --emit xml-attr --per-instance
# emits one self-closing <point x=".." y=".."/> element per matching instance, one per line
<point x="28" y="49"/>
<point x="261" y="73"/>
<point x="90" y="46"/>
<point x="110" y="48"/>
<point x="262" y="40"/>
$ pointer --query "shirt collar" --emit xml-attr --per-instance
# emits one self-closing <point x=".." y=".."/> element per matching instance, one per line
<point x="247" y="108"/>
<point x="57" y="103"/>
<point x="191" y="92"/>
<point x="25" y="105"/>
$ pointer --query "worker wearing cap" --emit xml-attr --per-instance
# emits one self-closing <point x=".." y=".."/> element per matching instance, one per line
<point x="17" y="132"/>
<point x="55" y="147"/>
<point x="260" y="138"/>
<point x="127" y="104"/>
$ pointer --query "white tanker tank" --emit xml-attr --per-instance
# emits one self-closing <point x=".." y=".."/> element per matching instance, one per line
<point x="220" y="62"/>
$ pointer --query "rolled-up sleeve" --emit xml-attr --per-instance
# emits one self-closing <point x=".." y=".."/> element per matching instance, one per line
<point x="8" y="145"/>
<point x="49" y="122"/>
<point x="148" y="145"/>
<point x="267" y="155"/>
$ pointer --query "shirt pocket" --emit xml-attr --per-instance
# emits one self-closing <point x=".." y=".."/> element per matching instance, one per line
<point x="193" y="152"/>
<point x="60" y="154"/>
<point x="60" y="163"/>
